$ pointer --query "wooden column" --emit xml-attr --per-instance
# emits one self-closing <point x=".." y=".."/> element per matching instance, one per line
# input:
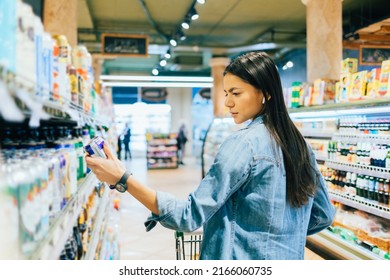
<point x="218" y="65"/>
<point x="324" y="38"/>
<point x="97" y="67"/>
<point x="60" y="17"/>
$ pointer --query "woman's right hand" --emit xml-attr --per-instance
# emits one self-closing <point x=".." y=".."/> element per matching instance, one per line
<point x="108" y="170"/>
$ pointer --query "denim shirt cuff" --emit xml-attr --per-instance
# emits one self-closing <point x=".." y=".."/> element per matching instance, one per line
<point x="165" y="204"/>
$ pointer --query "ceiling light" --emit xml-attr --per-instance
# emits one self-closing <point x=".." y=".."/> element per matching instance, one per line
<point x="173" y="42"/>
<point x="163" y="63"/>
<point x="181" y="35"/>
<point x="201" y="1"/>
<point x="155" y="71"/>
<point x="194" y="14"/>
<point x="168" y="54"/>
<point x="289" y="64"/>
<point x="160" y="79"/>
<point x="158" y="84"/>
<point x="185" y="24"/>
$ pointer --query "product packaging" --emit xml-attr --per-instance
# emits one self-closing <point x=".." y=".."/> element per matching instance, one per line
<point x="349" y="65"/>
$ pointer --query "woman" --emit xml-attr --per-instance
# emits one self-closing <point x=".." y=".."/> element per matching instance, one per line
<point x="263" y="194"/>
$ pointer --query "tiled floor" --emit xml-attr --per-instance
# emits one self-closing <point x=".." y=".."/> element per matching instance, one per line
<point x="159" y="243"/>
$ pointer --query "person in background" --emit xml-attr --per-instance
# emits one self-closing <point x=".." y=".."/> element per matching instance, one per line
<point x="126" y="141"/>
<point x="119" y="148"/>
<point x="264" y="192"/>
<point x="181" y="143"/>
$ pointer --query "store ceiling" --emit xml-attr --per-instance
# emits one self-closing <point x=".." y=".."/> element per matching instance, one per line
<point x="224" y="28"/>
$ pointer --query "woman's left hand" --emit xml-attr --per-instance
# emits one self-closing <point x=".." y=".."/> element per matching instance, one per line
<point x="108" y="170"/>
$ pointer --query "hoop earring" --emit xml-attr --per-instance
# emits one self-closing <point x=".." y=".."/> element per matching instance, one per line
<point x="263" y="100"/>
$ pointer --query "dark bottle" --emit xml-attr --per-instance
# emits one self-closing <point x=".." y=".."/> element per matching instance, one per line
<point x="358" y="152"/>
<point x="353" y="188"/>
<point x="376" y="189"/>
<point x="343" y="182"/>
<point x="386" y="190"/>
<point x="347" y="183"/>
<point x="371" y="188"/>
<point x="358" y="185"/>
<point x="381" y="188"/>
<point x="365" y="184"/>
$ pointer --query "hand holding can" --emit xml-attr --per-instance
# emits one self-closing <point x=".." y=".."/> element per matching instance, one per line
<point x="95" y="147"/>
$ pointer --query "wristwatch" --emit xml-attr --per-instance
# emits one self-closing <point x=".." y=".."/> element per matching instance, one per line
<point x="121" y="185"/>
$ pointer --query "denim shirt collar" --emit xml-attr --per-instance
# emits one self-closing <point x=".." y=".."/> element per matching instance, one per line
<point x="255" y="121"/>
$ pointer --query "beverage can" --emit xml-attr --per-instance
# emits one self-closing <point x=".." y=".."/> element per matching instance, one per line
<point x="95" y="147"/>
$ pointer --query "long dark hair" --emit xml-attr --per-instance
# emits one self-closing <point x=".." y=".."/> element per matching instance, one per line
<point x="259" y="70"/>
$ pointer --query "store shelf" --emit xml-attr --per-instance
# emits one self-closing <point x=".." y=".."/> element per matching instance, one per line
<point x="161" y="167"/>
<point x="50" y="248"/>
<point x="25" y="103"/>
<point x="162" y="152"/>
<point x="320" y="156"/>
<point x="361" y="203"/>
<point x="98" y="221"/>
<point x="374" y="171"/>
<point x="359" y="137"/>
<point x="317" y="134"/>
<point x="311" y="120"/>
<point x="160" y="157"/>
<point x="373" y="106"/>
<point x="332" y="245"/>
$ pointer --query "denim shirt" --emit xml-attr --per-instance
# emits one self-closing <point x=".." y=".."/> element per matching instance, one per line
<point x="241" y="203"/>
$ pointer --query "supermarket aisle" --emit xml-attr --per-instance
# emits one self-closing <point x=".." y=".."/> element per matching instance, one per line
<point x="158" y="244"/>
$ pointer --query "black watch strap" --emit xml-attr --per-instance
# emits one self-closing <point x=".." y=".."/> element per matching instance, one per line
<point x="123" y="180"/>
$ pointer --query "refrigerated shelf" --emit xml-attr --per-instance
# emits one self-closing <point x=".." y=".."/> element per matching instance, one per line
<point x="332" y="246"/>
<point x="50" y="248"/>
<point x="361" y="203"/>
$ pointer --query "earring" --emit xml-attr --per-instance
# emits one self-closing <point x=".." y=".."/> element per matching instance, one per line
<point x="263" y="100"/>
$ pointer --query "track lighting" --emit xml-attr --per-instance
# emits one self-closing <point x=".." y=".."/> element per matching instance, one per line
<point x="173" y="42"/>
<point x="163" y="63"/>
<point x="167" y="55"/>
<point x="194" y="14"/>
<point x="186" y="23"/>
<point x="180" y="34"/>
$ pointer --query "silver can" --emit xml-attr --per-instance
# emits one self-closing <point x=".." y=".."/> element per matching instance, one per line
<point x="95" y="147"/>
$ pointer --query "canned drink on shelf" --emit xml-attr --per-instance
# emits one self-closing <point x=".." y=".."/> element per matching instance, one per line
<point x="95" y="147"/>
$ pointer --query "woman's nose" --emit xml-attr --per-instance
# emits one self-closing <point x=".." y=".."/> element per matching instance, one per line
<point x="228" y="102"/>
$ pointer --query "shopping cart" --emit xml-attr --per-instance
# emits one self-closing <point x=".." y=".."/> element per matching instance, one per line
<point x="188" y="244"/>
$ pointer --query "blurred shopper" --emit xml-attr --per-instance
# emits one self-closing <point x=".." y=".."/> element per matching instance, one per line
<point x="126" y="141"/>
<point x="119" y="148"/>
<point x="263" y="194"/>
<point x="181" y="142"/>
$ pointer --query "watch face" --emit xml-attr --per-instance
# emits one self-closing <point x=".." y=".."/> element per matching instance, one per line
<point x="120" y="187"/>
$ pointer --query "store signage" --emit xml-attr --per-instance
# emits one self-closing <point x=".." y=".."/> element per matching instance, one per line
<point x="125" y="45"/>
<point x="373" y="54"/>
<point x="205" y="93"/>
<point x="156" y="95"/>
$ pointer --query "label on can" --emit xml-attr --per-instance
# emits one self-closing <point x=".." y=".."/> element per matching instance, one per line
<point x="95" y="147"/>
